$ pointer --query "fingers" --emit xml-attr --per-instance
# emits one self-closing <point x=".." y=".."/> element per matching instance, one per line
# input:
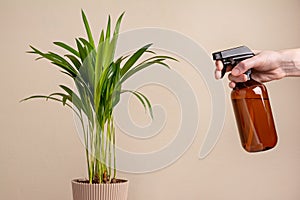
<point x="236" y="79"/>
<point x="243" y="66"/>
<point x="219" y="67"/>
<point x="240" y="78"/>
<point x="232" y="84"/>
<point x="238" y="70"/>
<point x="218" y="74"/>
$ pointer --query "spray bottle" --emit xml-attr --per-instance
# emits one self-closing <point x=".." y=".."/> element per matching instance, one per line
<point x="251" y="104"/>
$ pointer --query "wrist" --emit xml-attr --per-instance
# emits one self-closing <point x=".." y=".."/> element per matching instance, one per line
<point x="290" y="62"/>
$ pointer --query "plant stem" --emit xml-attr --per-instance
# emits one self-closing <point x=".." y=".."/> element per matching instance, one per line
<point x="109" y="149"/>
<point x="106" y="158"/>
<point x="99" y="169"/>
<point x="114" y="148"/>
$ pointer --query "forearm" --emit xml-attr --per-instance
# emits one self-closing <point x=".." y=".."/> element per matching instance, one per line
<point x="290" y="62"/>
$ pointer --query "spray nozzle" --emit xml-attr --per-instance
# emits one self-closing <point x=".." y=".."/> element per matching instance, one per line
<point x="231" y="57"/>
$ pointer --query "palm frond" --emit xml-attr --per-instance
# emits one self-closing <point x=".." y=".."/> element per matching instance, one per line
<point x="67" y="47"/>
<point x="88" y="29"/>
<point x="143" y="99"/>
<point x="131" y="61"/>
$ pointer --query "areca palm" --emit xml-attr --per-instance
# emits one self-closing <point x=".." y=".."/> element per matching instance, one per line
<point x="98" y="79"/>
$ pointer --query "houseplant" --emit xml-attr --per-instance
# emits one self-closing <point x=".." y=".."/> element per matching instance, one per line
<point x="98" y="79"/>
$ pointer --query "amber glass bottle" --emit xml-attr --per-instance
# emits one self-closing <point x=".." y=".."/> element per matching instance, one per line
<point x="254" y="116"/>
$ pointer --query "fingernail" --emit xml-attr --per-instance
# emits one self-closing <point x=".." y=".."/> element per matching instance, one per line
<point x="218" y="75"/>
<point x="235" y="71"/>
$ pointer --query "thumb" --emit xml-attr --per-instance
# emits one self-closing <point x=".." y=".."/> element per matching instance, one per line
<point x="243" y="66"/>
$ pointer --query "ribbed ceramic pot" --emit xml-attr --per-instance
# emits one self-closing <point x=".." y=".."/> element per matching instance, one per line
<point x="111" y="191"/>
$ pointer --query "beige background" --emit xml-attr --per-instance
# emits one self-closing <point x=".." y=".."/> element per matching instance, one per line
<point x="40" y="151"/>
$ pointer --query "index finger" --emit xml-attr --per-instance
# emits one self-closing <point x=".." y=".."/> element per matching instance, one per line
<point x="219" y="65"/>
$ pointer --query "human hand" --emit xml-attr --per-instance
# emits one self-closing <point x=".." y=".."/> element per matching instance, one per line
<point x="266" y="66"/>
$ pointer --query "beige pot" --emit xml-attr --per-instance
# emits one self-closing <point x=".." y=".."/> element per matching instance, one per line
<point x="112" y="191"/>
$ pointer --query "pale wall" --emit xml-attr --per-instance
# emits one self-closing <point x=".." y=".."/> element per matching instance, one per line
<point x="39" y="146"/>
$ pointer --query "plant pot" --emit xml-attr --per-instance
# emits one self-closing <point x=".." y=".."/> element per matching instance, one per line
<point x="110" y="191"/>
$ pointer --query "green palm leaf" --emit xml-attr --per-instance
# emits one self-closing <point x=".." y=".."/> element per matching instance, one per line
<point x="88" y="29"/>
<point x="75" y="61"/>
<point x="67" y="47"/>
<point x="130" y="62"/>
<point x="143" y="99"/>
<point x="51" y="98"/>
<point x="140" y="67"/>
